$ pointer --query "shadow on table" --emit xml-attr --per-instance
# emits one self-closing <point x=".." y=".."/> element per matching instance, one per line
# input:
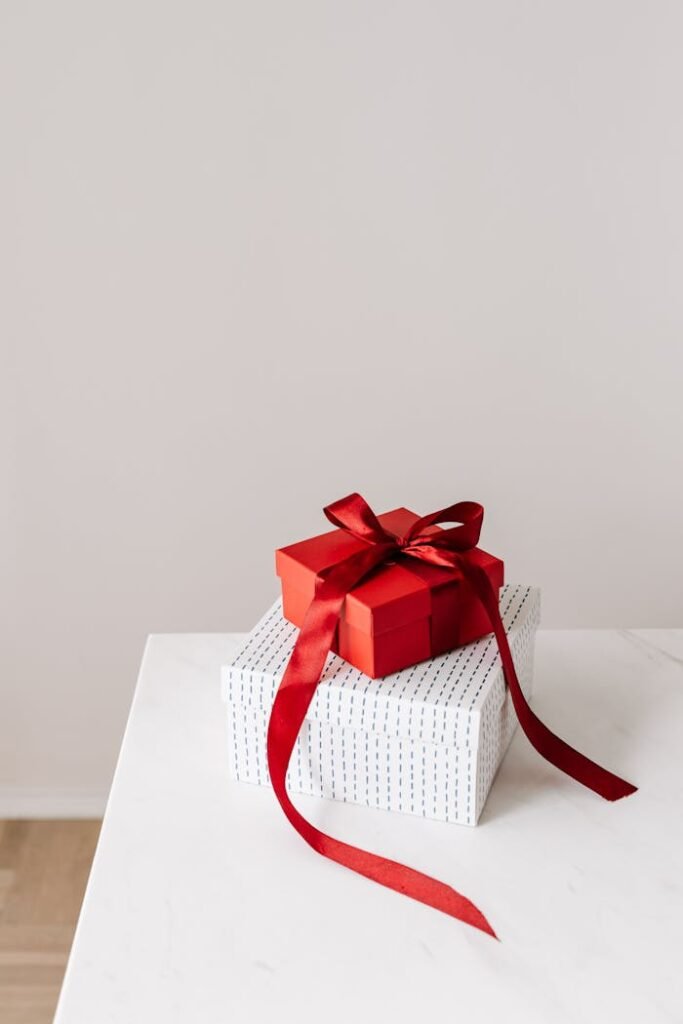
<point x="605" y="717"/>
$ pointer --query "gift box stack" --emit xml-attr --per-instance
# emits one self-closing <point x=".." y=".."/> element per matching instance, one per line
<point x="426" y="739"/>
<point x="392" y="674"/>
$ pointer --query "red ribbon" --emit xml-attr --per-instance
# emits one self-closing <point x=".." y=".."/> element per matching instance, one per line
<point x="448" y="548"/>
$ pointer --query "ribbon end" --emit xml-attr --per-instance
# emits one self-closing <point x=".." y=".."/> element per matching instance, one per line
<point x="622" y="790"/>
<point x="487" y="929"/>
<point x="469" y="914"/>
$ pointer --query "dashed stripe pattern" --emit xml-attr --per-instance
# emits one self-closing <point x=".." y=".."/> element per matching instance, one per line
<point x="427" y="740"/>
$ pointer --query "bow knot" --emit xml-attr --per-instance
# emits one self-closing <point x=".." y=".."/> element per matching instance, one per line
<point x="442" y="547"/>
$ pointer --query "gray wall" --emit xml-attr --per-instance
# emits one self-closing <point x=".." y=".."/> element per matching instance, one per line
<point x="256" y="255"/>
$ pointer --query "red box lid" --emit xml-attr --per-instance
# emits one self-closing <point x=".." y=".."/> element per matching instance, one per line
<point x="391" y="596"/>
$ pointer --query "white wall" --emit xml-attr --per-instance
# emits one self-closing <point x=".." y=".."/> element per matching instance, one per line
<point x="256" y="255"/>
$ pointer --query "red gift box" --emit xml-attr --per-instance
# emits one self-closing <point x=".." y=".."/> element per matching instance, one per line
<point x="404" y="612"/>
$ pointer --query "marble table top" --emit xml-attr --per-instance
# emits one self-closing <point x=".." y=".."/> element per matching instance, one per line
<point x="205" y="907"/>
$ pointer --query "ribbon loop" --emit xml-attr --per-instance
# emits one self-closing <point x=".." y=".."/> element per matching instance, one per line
<point x="470" y="514"/>
<point x="354" y="515"/>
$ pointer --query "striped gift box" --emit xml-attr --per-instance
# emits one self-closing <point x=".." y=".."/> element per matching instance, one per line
<point x="427" y="740"/>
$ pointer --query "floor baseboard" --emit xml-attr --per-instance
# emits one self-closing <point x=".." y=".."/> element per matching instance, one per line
<point x="44" y="802"/>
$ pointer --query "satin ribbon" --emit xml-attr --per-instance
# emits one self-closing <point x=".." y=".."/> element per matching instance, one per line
<point x="448" y="548"/>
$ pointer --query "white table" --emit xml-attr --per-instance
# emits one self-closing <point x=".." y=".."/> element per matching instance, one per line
<point x="204" y="906"/>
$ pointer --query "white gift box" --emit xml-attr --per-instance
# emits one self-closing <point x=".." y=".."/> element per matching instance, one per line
<point x="427" y="740"/>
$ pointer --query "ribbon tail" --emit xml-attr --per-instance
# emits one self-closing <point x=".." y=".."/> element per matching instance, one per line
<point x="292" y="700"/>
<point x="550" y="746"/>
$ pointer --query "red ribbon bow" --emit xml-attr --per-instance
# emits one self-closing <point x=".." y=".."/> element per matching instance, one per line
<point x="448" y="548"/>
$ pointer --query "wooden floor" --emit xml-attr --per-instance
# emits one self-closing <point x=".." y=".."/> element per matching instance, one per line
<point x="44" y="866"/>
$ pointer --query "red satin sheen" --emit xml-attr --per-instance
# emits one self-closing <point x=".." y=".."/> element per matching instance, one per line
<point x="448" y="548"/>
